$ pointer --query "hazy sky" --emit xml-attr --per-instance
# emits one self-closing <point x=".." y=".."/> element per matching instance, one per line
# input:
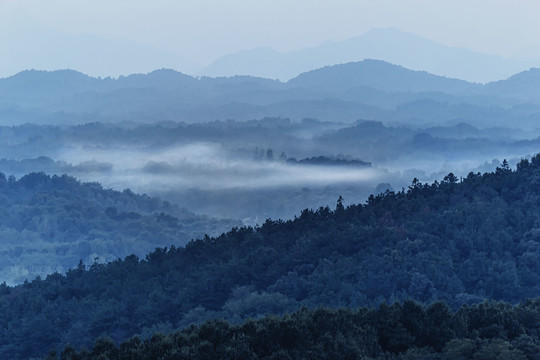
<point x="203" y="30"/>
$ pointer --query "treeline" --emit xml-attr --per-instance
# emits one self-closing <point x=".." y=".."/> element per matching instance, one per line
<point x="400" y="331"/>
<point x="460" y="241"/>
<point x="330" y="161"/>
<point x="340" y="160"/>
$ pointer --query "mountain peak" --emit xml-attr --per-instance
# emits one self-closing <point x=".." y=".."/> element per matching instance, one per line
<point x="525" y="84"/>
<point x="376" y="74"/>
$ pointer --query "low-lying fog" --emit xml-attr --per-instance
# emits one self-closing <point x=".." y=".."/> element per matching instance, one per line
<point x="206" y="167"/>
<point x="206" y="178"/>
<point x="257" y="170"/>
<point x="209" y="179"/>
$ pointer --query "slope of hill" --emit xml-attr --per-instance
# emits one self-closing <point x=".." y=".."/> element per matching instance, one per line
<point x="378" y="75"/>
<point x="457" y="241"/>
<point x="49" y="224"/>
<point x="524" y="85"/>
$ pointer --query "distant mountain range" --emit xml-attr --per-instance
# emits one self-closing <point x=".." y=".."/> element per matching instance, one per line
<point x="369" y="89"/>
<point x="96" y="55"/>
<point x="38" y="46"/>
<point x="389" y="44"/>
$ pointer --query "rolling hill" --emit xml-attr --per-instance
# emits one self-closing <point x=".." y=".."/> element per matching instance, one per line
<point x="369" y="89"/>
<point x="458" y="241"/>
<point x="50" y="224"/>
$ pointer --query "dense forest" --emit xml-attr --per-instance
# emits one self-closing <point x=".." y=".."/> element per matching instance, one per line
<point x="408" y="331"/>
<point x="49" y="224"/>
<point x="460" y="241"/>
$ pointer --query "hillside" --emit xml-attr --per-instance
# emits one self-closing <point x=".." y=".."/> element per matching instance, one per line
<point x="524" y="85"/>
<point x="458" y="241"/>
<point x="378" y="75"/>
<point x="368" y="89"/>
<point x="49" y="224"/>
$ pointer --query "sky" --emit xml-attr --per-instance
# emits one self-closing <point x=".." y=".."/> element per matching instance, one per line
<point x="193" y="33"/>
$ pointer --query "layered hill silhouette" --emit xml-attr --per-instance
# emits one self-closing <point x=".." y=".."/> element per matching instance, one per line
<point x="50" y="48"/>
<point x="369" y="89"/>
<point x="387" y="44"/>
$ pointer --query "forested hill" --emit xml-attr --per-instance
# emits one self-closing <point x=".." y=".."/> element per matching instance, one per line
<point x="49" y="224"/>
<point x="461" y="241"/>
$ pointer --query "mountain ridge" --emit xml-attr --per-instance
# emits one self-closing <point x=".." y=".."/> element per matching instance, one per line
<point x="380" y="75"/>
<point x="174" y="78"/>
<point x="370" y="88"/>
<point x="387" y="44"/>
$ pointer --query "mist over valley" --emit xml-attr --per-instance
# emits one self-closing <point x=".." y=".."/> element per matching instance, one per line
<point x="380" y="127"/>
<point x="267" y="180"/>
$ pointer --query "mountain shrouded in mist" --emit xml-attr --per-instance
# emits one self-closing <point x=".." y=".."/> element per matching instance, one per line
<point x="390" y="44"/>
<point x="370" y="89"/>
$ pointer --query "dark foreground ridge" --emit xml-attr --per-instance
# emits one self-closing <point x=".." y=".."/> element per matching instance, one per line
<point x="461" y="241"/>
<point x="408" y="331"/>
